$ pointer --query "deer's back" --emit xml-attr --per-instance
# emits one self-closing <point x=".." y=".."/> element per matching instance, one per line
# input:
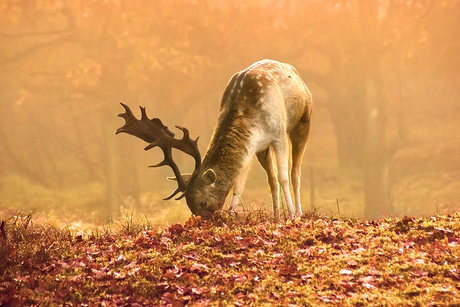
<point x="268" y="94"/>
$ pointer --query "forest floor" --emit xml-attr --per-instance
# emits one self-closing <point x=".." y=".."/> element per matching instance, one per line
<point x="233" y="261"/>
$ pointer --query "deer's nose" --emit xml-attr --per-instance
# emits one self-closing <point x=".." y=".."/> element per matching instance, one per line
<point x="203" y="204"/>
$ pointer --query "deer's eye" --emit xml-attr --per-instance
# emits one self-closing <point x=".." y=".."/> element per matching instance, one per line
<point x="203" y="204"/>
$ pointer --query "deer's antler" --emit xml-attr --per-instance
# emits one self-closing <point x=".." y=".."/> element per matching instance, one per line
<point x="154" y="132"/>
<point x="146" y="129"/>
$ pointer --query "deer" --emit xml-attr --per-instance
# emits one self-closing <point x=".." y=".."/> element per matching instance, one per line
<point x="265" y="112"/>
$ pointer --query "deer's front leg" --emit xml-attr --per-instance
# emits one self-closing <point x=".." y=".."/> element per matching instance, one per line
<point x="267" y="160"/>
<point x="281" y="149"/>
<point x="238" y="186"/>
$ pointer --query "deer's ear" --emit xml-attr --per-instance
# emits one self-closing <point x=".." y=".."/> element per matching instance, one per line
<point x="185" y="176"/>
<point x="209" y="176"/>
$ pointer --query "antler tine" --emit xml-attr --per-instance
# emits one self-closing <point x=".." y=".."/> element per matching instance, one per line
<point x="168" y="160"/>
<point x="185" y="131"/>
<point x="128" y="116"/>
<point x="178" y="190"/>
<point x="127" y="113"/>
<point x="143" y="113"/>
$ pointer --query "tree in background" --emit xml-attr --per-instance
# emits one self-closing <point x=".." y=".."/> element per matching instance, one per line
<point x="369" y="47"/>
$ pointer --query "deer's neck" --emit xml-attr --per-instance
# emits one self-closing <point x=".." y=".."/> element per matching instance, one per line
<point x="228" y="151"/>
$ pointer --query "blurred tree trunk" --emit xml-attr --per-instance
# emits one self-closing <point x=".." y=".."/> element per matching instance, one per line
<point x="122" y="177"/>
<point x="377" y="202"/>
<point x="113" y="195"/>
<point x="348" y="116"/>
<point x="357" y="101"/>
<point x="359" y="119"/>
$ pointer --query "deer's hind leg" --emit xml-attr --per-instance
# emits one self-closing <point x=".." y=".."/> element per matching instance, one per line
<point x="267" y="160"/>
<point x="299" y="139"/>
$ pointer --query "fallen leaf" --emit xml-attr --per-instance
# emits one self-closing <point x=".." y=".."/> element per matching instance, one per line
<point x="418" y="273"/>
<point x="199" y="268"/>
<point x="118" y="275"/>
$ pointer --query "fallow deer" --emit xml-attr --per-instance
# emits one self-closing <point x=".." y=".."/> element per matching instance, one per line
<point x="265" y="111"/>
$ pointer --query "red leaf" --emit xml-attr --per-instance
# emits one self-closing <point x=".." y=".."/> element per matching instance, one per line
<point x="172" y="273"/>
<point x="193" y="221"/>
<point x="346" y="272"/>
<point x="199" y="268"/>
<point x="287" y="270"/>
<point x="329" y="299"/>
<point x="117" y="275"/>
<point x="368" y="286"/>
<point x="241" y="279"/>
<point x="454" y="273"/>
<point x="373" y="271"/>
<point x="176" y="229"/>
<point x="419" y="273"/>
<point x="366" y="279"/>
<point x="119" y="259"/>
<point x="198" y="290"/>
<point x="348" y="285"/>
<point x="352" y="263"/>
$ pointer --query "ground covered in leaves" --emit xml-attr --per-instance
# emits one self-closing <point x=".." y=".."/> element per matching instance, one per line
<point x="310" y="261"/>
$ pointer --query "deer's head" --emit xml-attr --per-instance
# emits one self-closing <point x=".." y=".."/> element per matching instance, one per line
<point x="199" y="187"/>
<point x="205" y="194"/>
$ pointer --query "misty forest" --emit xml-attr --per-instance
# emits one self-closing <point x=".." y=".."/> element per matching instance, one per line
<point x="82" y="216"/>
<point x="384" y="77"/>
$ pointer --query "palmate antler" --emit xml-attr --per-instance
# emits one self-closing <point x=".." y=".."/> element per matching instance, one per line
<point x="156" y="134"/>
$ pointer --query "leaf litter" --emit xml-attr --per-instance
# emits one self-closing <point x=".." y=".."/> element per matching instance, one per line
<point x="309" y="261"/>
